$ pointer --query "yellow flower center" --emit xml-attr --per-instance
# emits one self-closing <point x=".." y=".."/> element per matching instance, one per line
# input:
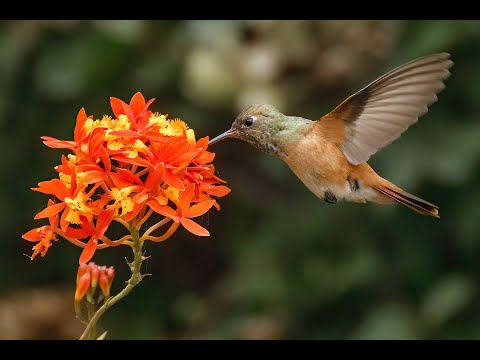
<point x="172" y="193"/>
<point x="65" y="179"/>
<point x="158" y="120"/>
<point x="122" y="200"/>
<point x="191" y="137"/>
<point x="78" y="207"/>
<point x="122" y="123"/>
<point x="114" y="142"/>
<point x="72" y="159"/>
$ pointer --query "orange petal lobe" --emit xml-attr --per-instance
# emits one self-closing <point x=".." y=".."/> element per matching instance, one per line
<point x="77" y="233"/>
<point x="58" y="144"/>
<point x="186" y="196"/>
<point x="163" y="210"/>
<point x="81" y="119"/>
<point x="218" y="191"/>
<point x="125" y="133"/>
<point x="137" y="103"/>
<point x="193" y="227"/>
<point x="172" y="148"/>
<point x="133" y="161"/>
<point x="199" y="209"/>
<point x="117" y="106"/>
<point x="154" y="176"/>
<point x="50" y="211"/>
<point x="103" y="222"/>
<point x="88" y="250"/>
<point x="206" y="157"/>
<point x="128" y="111"/>
<point x="32" y="235"/>
<point x="94" y="176"/>
<point x="173" y="180"/>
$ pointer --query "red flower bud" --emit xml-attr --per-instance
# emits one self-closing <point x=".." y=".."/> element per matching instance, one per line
<point x="89" y="276"/>
<point x="82" y="286"/>
<point x="82" y="269"/>
<point x="106" y="279"/>
<point x="95" y="272"/>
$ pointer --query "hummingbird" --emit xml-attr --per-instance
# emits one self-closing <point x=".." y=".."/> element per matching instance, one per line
<point x="330" y="155"/>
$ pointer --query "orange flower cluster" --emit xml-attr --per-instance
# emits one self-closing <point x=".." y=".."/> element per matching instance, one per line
<point x="126" y="169"/>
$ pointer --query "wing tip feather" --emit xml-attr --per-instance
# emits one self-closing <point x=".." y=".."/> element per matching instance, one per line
<point x="358" y="146"/>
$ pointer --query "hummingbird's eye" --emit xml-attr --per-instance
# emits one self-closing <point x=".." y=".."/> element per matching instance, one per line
<point x="249" y="121"/>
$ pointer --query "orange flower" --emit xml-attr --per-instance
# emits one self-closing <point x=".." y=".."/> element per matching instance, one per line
<point x="95" y="232"/>
<point x="44" y="235"/>
<point x="137" y="111"/>
<point x="78" y="134"/>
<point x="126" y="169"/>
<point x="185" y="211"/>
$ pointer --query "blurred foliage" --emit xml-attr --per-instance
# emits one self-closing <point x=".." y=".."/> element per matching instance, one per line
<point x="280" y="263"/>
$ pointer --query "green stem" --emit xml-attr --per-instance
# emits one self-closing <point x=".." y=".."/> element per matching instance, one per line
<point x="90" y="313"/>
<point x="131" y="283"/>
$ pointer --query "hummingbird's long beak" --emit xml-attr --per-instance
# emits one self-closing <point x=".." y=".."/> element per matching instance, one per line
<point x="226" y="134"/>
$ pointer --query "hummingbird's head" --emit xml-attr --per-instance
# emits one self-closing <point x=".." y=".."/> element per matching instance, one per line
<point x="256" y="125"/>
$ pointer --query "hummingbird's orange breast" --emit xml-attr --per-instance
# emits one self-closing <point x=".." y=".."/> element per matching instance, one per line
<point x="323" y="168"/>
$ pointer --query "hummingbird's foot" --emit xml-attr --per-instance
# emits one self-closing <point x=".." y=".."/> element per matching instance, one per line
<point x="329" y="197"/>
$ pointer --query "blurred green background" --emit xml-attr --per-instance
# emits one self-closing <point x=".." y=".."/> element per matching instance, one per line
<point x="280" y="263"/>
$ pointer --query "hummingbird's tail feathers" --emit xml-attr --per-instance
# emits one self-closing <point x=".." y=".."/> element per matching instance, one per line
<point x="411" y="201"/>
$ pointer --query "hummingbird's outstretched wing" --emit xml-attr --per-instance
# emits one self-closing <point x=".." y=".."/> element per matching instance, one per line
<point x="380" y="112"/>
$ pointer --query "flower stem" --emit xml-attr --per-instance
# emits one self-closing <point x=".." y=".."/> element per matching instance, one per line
<point x="136" y="277"/>
<point x="91" y="312"/>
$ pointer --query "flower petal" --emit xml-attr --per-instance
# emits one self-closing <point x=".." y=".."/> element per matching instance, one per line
<point x="64" y="224"/>
<point x="199" y="209"/>
<point x="147" y="105"/>
<point x="164" y="210"/>
<point x="50" y="211"/>
<point x="58" y="144"/>
<point x="193" y="227"/>
<point x="87" y="225"/>
<point x="217" y="191"/>
<point x="124" y="178"/>
<point x="132" y="214"/>
<point x="133" y="161"/>
<point x="32" y="235"/>
<point x="103" y="222"/>
<point x="53" y="187"/>
<point x="172" y="148"/>
<point x="88" y="250"/>
<point x="202" y="143"/>
<point x="137" y="103"/>
<point x="205" y="157"/>
<point x="105" y="159"/>
<point x="53" y="220"/>
<point x="154" y="176"/>
<point x="117" y="106"/>
<point x="97" y="138"/>
<point x="125" y="133"/>
<point x="91" y="177"/>
<point x="186" y="196"/>
<point x="77" y="233"/>
<point x="171" y="179"/>
<point x="141" y="197"/>
<point x="128" y="111"/>
<point x="81" y="119"/>
<point x="186" y="158"/>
